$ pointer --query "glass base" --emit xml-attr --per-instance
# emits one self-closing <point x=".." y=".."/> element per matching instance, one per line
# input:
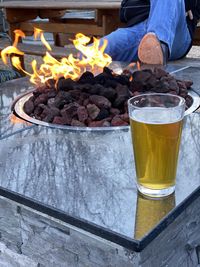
<point x="156" y="192"/>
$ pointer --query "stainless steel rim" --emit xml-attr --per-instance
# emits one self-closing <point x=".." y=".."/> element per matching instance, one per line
<point x="195" y="104"/>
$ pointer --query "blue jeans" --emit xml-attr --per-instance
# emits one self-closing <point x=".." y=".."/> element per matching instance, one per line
<point x="166" y="19"/>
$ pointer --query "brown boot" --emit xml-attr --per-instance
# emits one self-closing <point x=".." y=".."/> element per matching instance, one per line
<point x="151" y="51"/>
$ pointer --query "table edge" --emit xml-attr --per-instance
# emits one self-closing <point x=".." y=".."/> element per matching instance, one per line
<point x="92" y="228"/>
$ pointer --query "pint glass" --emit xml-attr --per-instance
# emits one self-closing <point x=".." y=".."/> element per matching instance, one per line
<point x="156" y="126"/>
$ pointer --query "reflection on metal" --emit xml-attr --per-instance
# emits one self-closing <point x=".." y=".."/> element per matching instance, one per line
<point x="149" y="212"/>
<point x="15" y="119"/>
<point x="195" y="104"/>
<point x="19" y="104"/>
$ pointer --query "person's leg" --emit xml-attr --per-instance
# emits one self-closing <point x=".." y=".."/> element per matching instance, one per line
<point x="123" y="43"/>
<point x="167" y="20"/>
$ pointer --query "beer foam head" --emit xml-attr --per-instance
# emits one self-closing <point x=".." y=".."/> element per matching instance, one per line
<point x="156" y="108"/>
<point x="155" y="115"/>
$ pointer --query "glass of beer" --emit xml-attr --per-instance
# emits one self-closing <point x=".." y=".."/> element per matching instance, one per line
<point x="156" y="125"/>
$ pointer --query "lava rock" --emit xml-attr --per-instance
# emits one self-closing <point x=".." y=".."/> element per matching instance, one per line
<point x="28" y="107"/>
<point x="82" y="113"/>
<point x="93" y="111"/>
<point x="100" y="101"/>
<point x="117" y="121"/>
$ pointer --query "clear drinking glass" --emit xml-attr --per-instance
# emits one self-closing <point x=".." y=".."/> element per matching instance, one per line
<point x="156" y="125"/>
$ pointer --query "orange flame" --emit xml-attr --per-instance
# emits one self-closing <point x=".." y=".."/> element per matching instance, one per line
<point x="18" y="34"/>
<point x="93" y="58"/>
<point x="16" y="120"/>
<point x="138" y="65"/>
<point x="39" y="33"/>
<point x="8" y="51"/>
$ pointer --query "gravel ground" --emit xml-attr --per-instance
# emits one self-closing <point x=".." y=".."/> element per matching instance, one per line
<point x="194" y="52"/>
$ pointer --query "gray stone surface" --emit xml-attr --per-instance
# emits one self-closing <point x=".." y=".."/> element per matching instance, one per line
<point x="43" y="241"/>
<point x="9" y="258"/>
<point x="177" y="246"/>
<point x="39" y="240"/>
<point x="90" y="176"/>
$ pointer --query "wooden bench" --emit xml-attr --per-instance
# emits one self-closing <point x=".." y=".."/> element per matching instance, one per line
<point x="62" y="22"/>
<point x="38" y="50"/>
<point x="196" y="40"/>
<point x="22" y="15"/>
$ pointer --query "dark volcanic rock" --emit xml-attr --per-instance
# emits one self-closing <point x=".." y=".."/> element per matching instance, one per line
<point x="29" y="107"/>
<point x="93" y="111"/>
<point x="100" y="101"/>
<point x="82" y="113"/>
<point x="117" y="121"/>
<point x="87" y="77"/>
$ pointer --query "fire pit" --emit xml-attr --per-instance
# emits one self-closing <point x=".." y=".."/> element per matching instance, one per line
<point x="82" y="92"/>
<point x="97" y="102"/>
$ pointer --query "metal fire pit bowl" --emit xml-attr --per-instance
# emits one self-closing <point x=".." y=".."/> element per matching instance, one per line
<point x="18" y="105"/>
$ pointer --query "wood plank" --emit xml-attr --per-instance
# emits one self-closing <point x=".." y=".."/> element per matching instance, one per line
<point x="51" y="13"/>
<point x="62" y="27"/>
<point x="15" y="15"/>
<point x="73" y="21"/>
<point x="39" y="50"/>
<point x="196" y="40"/>
<point x="57" y="52"/>
<point x="63" y="39"/>
<point x="112" y="15"/>
<point x="61" y="5"/>
<point x="109" y="24"/>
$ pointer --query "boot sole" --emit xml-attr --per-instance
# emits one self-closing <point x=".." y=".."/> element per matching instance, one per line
<point x="150" y="51"/>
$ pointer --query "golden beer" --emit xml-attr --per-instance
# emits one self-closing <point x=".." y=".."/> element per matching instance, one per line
<point x="149" y="212"/>
<point x="156" y="148"/>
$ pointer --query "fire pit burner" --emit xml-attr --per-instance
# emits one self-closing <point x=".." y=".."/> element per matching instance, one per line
<point x="18" y="108"/>
<point x="98" y="102"/>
